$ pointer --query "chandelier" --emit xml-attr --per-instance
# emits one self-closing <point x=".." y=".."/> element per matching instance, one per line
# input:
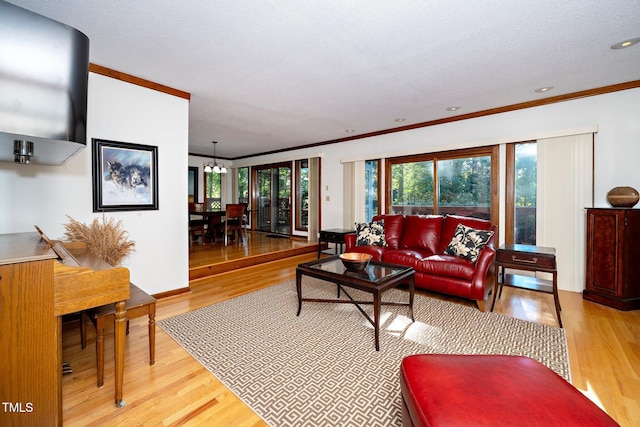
<point x="214" y="166"/>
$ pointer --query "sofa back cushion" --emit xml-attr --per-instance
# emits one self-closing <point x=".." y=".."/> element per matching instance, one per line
<point x="392" y="228"/>
<point x="422" y="231"/>
<point x="451" y="223"/>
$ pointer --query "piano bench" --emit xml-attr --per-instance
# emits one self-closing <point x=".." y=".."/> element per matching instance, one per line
<point x="139" y="304"/>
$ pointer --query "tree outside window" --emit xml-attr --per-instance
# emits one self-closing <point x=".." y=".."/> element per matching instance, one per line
<point x="243" y="185"/>
<point x="371" y="189"/>
<point x="302" y="195"/>
<point x="213" y="191"/>
<point x="453" y="182"/>
<point x="464" y="186"/>
<point x="412" y="188"/>
<point x="526" y="176"/>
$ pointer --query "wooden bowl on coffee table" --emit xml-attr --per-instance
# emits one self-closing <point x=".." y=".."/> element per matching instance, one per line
<point x="355" y="261"/>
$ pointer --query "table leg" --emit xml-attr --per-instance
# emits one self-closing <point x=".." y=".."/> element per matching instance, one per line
<point x="495" y="287"/>
<point x="299" y="290"/>
<point x="376" y="318"/>
<point x="100" y="349"/>
<point x="120" y="332"/>
<point x="412" y="288"/>
<point x="556" y="297"/>
<point x="152" y="333"/>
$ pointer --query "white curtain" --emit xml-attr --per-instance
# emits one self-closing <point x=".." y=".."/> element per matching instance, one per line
<point x="353" y="193"/>
<point x="564" y="190"/>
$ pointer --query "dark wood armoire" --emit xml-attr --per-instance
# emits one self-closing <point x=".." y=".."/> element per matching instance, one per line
<point x="613" y="257"/>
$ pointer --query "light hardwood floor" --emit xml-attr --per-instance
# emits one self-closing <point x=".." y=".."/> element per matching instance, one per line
<point x="604" y="352"/>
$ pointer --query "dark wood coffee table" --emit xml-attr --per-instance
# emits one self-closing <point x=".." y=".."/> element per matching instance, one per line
<point x="375" y="279"/>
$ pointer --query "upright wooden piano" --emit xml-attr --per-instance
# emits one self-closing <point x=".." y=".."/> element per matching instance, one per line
<point x="40" y="281"/>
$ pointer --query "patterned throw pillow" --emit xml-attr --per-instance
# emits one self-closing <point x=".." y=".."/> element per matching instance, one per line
<point x="467" y="242"/>
<point x="370" y="234"/>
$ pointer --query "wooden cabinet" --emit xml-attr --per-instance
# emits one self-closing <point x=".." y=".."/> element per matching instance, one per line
<point x="613" y="267"/>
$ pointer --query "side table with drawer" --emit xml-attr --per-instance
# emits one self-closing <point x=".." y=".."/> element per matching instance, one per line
<point x="527" y="258"/>
<point x="334" y="235"/>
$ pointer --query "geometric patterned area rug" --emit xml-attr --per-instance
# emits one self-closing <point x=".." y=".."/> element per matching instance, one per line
<point x="321" y="368"/>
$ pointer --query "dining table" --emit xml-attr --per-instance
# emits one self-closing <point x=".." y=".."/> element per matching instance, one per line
<point x="213" y="217"/>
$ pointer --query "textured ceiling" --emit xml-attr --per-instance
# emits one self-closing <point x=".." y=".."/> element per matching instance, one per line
<point x="267" y="75"/>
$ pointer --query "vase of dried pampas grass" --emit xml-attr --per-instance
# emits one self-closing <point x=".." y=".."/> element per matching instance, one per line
<point x="105" y="238"/>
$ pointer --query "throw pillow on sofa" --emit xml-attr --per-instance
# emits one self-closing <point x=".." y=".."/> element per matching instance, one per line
<point x="467" y="242"/>
<point x="370" y="234"/>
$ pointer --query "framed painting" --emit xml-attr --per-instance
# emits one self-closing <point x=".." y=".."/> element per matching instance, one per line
<point x="125" y="176"/>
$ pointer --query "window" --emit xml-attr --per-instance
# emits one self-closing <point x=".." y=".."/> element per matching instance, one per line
<point x="462" y="182"/>
<point x="192" y="180"/>
<point x="243" y="185"/>
<point x="302" y="195"/>
<point x="213" y="191"/>
<point x="525" y="193"/>
<point x="273" y="197"/>
<point x="521" y="195"/>
<point x="371" y="189"/>
<point x="464" y="186"/>
<point x="412" y="187"/>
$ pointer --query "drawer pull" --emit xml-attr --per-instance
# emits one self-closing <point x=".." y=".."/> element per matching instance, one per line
<point x="514" y="258"/>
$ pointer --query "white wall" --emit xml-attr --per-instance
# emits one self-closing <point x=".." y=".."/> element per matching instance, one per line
<point x="617" y="143"/>
<point x="44" y="195"/>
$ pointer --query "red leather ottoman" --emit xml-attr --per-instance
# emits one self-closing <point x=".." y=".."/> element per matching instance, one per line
<point x="491" y="390"/>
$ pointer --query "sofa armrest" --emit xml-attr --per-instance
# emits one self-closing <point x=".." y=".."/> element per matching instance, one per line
<point x="483" y="276"/>
<point x="349" y="241"/>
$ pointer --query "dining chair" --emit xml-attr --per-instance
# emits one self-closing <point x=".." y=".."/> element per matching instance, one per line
<point x="196" y="226"/>
<point x="235" y="221"/>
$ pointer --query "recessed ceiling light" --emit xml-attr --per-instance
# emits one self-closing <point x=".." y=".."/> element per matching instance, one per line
<point x="453" y="108"/>
<point x="350" y="131"/>
<point x="544" y="89"/>
<point x="626" y="43"/>
<point x="400" y="120"/>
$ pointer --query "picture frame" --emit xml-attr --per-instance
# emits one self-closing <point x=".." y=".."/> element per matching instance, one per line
<point x="193" y="184"/>
<point x="125" y="176"/>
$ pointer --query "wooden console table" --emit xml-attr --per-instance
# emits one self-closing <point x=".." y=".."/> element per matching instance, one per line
<point x="527" y="258"/>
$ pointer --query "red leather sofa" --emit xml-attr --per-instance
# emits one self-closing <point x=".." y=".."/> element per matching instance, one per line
<point x="420" y="241"/>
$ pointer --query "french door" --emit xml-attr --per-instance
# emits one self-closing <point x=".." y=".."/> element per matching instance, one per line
<point x="272" y="196"/>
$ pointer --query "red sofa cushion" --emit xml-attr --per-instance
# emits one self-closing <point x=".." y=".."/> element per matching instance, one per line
<point x="447" y="265"/>
<point x="392" y="228"/>
<point x="422" y="231"/>
<point x="491" y="390"/>
<point x="451" y="223"/>
<point x="409" y="257"/>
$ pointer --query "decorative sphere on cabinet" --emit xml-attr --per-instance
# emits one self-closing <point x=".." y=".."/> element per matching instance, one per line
<point x="623" y="197"/>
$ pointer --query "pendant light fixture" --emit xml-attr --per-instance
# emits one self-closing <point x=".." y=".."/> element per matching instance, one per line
<point x="215" y="167"/>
